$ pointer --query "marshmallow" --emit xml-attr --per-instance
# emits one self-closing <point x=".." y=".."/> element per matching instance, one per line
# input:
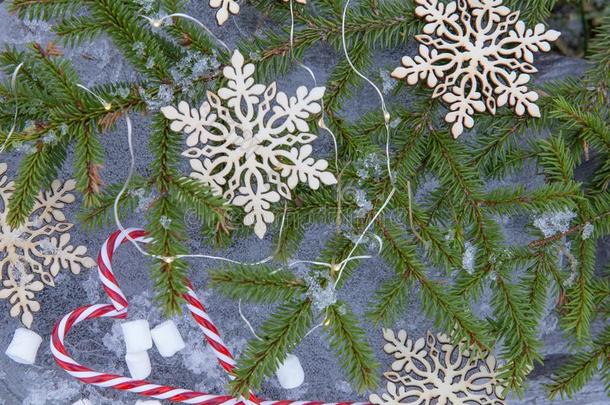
<point x="167" y="338"/>
<point x="149" y="402"/>
<point x="137" y="335"/>
<point x="138" y="365"/>
<point x="290" y="374"/>
<point x="24" y="346"/>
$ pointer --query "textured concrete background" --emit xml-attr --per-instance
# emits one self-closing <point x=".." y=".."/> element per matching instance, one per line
<point x="99" y="344"/>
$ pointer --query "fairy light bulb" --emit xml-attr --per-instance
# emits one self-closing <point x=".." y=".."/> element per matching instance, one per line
<point x="107" y="106"/>
<point x="386" y="116"/>
<point x="168" y="260"/>
<point x="156" y="23"/>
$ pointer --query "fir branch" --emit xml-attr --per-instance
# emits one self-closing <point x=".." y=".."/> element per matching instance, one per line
<point x="599" y="56"/>
<point x="581" y="296"/>
<point x="210" y="209"/>
<point x="517" y="327"/>
<point x="169" y="275"/>
<point x="514" y="200"/>
<point x="446" y="308"/>
<point x="261" y="283"/>
<point x="343" y="78"/>
<point x="555" y="159"/>
<point x="279" y="333"/>
<point x="535" y="282"/>
<point x="101" y="213"/>
<point x="391" y="301"/>
<point x="592" y="127"/>
<point x="533" y="11"/>
<point x="57" y="73"/>
<point x="288" y="241"/>
<point x="579" y="370"/>
<point x="43" y="9"/>
<point x="36" y="172"/>
<point x="500" y="136"/>
<point x="87" y="163"/>
<point x="335" y="251"/>
<point x="75" y="30"/>
<point x="348" y="340"/>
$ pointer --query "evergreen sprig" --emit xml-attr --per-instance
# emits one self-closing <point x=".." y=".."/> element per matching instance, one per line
<point x="262" y="357"/>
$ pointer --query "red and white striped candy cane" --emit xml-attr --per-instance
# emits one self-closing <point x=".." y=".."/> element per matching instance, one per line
<point x="118" y="309"/>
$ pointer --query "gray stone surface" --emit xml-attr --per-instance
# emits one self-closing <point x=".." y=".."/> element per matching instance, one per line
<point x="99" y="344"/>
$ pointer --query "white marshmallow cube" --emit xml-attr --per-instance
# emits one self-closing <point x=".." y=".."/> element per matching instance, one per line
<point x="24" y="346"/>
<point x="137" y="335"/>
<point x="149" y="402"/>
<point x="167" y="338"/>
<point x="138" y="365"/>
<point x="290" y="374"/>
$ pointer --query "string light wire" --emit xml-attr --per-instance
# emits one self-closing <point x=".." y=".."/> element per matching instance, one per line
<point x="158" y="22"/>
<point x="386" y="119"/>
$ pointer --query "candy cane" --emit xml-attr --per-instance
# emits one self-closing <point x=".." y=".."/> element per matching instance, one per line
<point x="118" y="309"/>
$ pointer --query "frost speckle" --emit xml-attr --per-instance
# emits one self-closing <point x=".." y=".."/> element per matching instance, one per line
<point x="548" y="324"/>
<point x="165" y="95"/>
<point x="192" y="66"/>
<point x="113" y="340"/>
<point x="322" y="297"/>
<point x="200" y="359"/>
<point x="553" y="222"/>
<point x="387" y="82"/>
<point x="371" y="167"/>
<point x="344" y="387"/>
<point x="395" y="123"/>
<point x="468" y="259"/>
<point x="139" y="48"/>
<point x="50" y="138"/>
<point x="165" y="222"/>
<point x="145" y="199"/>
<point x="364" y="204"/>
<point x="587" y="231"/>
<point x="47" y="387"/>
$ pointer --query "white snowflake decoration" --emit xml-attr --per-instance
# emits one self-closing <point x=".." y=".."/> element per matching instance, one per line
<point x="228" y="7"/>
<point x="32" y="255"/>
<point x="256" y="150"/>
<point x="475" y="59"/>
<point x="433" y="371"/>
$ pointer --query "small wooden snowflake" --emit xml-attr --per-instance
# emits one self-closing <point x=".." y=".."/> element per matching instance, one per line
<point x="434" y="371"/>
<point x="32" y="255"/>
<point x="478" y="56"/>
<point x="255" y="149"/>
<point x="228" y="7"/>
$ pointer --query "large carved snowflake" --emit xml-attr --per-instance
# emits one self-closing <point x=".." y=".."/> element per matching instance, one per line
<point x="32" y="255"/>
<point x="433" y="371"/>
<point x="228" y="7"/>
<point x="475" y="59"/>
<point x="256" y="150"/>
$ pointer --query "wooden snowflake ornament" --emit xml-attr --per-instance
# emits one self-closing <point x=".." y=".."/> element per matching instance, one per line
<point x="478" y="56"/>
<point x="228" y="7"/>
<point x="32" y="255"/>
<point x="255" y="149"/>
<point x="433" y="371"/>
